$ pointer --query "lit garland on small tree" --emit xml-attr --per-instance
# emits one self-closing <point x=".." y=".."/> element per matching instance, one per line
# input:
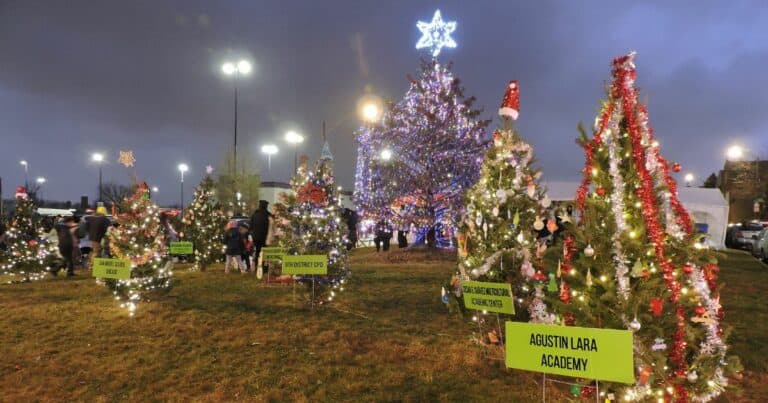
<point x="308" y="222"/>
<point x="435" y="140"/>
<point x="497" y="239"/>
<point x="203" y="223"/>
<point x="26" y="256"/>
<point x="633" y="261"/>
<point x="140" y="239"/>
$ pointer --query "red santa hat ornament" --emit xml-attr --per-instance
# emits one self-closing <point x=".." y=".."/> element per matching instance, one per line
<point x="21" y="192"/>
<point x="510" y="105"/>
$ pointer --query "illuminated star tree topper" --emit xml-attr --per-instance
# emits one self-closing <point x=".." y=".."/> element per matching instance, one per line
<point x="436" y="34"/>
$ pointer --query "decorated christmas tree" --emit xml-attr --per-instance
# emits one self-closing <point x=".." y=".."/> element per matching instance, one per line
<point x="203" y="222"/>
<point x="27" y="257"/>
<point x="140" y="239"/>
<point x="424" y="154"/>
<point x="506" y="211"/>
<point x="309" y="223"/>
<point x="633" y="261"/>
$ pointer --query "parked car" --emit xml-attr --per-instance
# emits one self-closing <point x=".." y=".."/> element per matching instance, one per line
<point x="745" y="233"/>
<point x="760" y="246"/>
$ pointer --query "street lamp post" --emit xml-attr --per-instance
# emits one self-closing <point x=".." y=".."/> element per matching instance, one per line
<point x="294" y="138"/>
<point x="241" y="68"/>
<point x="40" y="181"/>
<point x="688" y="179"/>
<point x="182" y="168"/>
<point x="25" y="164"/>
<point x="99" y="159"/>
<point x="269" y="149"/>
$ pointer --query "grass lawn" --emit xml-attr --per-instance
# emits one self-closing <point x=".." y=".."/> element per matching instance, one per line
<point x="220" y="337"/>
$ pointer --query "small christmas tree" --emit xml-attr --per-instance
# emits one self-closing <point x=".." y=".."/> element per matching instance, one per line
<point x="633" y="261"/>
<point x="309" y="223"/>
<point x="139" y="238"/>
<point x="203" y="222"/>
<point x="505" y="210"/>
<point x="26" y="256"/>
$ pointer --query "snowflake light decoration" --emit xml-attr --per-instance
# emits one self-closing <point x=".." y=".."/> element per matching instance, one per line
<point x="126" y="158"/>
<point x="436" y="34"/>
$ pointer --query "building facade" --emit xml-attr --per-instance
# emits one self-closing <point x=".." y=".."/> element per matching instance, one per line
<point x="745" y="185"/>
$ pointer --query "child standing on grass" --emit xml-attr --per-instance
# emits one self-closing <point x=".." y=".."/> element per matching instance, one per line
<point x="235" y="247"/>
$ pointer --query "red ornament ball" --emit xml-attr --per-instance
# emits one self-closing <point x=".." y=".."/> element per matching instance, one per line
<point x="700" y="310"/>
<point x="676" y="167"/>
<point x="600" y="191"/>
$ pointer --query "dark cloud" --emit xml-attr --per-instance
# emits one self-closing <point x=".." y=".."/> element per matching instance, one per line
<point x="81" y="76"/>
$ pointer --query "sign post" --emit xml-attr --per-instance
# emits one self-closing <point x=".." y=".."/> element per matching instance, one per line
<point x="118" y="269"/>
<point x="579" y="352"/>
<point x="306" y="265"/>
<point x="182" y="248"/>
<point x="489" y="297"/>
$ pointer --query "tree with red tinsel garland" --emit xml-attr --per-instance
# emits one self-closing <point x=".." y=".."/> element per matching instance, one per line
<point x="633" y="261"/>
<point x="308" y="222"/>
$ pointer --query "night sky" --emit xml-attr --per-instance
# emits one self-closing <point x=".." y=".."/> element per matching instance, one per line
<point x="83" y="76"/>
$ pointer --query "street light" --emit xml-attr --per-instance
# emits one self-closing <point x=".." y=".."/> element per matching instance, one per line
<point x="734" y="152"/>
<point x="241" y="68"/>
<point x="386" y="154"/>
<point x="294" y="138"/>
<point x="26" y="171"/>
<point x="99" y="159"/>
<point x="155" y="189"/>
<point x="182" y="168"/>
<point x="269" y="149"/>
<point x="688" y="179"/>
<point x="40" y="180"/>
<point x="369" y="107"/>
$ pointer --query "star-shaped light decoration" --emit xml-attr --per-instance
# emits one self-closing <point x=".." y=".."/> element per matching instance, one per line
<point x="209" y="169"/>
<point x="436" y="34"/>
<point x="126" y="158"/>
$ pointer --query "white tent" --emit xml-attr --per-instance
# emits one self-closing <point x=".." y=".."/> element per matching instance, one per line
<point x="708" y="207"/>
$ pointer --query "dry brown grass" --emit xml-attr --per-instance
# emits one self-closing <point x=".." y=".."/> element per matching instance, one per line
<point x="219" y="337"/>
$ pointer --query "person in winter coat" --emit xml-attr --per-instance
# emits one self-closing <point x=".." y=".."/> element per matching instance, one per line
<point x="96" y="226"/>
<point x="382" y="235"/>
<point x="350" y="218"/>
<point x="260" y="228"/>
<point x="235" y="246"/>
<point x="66" y="240"/>
<point x="248" y="248"/>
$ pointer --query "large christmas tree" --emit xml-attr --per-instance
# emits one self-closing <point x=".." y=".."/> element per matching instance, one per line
<point x="633" y="261"/>
<point x="308" y="222"/>
<point x="425" y="153"/>
<point x="506" y="210"/>
<point x="26" y="257"/>
<point x="140" y="239"/>
<point x="203" y="223"/>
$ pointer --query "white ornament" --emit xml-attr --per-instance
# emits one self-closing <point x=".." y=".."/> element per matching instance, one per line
<point x="209" y="169"/>
<point x="436" y="34"/>
<point x="538" y="225"/>
<point x="589" y="251"/>
<point x="479" y="219"/>
<point x="495" y="211"/>
<point x="635" y="324"/>
<point x="546" y="202"/>
<point x="531" y="190"/>
<point x="692" y="376"/>
<point x="501" y="194"/>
